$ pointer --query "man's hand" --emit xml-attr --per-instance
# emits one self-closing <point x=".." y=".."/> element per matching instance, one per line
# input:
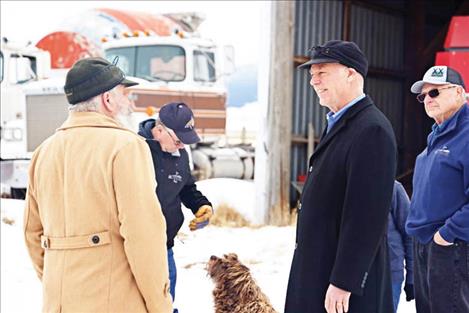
<point x="409" y="292"/>
<point x="440" y="241"/>
<point x="337" y="300"/>
<point x="202" y="217"/>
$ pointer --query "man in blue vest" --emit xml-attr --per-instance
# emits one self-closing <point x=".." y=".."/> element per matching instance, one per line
<point x="166" y="137"/>
<point x="439" y="209"/>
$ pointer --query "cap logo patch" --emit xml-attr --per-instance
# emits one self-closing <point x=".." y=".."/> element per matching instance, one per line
<point x="437" y="72"/>
<point x="190" y="124"/>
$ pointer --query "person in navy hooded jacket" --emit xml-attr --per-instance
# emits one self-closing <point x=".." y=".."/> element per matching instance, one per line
<point x="439" y="209"/>
<point x="166" y="137"/>
<point x="400" y="246"/>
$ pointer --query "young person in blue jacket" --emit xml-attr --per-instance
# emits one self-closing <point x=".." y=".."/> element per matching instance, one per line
<point x="400" y="245"/>
<point x="166" y="137"/>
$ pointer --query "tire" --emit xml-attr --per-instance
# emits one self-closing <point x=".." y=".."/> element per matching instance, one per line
<point x="18" y="193"/>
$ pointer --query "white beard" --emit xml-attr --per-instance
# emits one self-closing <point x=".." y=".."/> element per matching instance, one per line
<point x="125" y="120"/>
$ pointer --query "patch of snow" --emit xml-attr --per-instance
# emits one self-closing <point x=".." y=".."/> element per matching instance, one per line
<point x="20" y="287"/>
<point x="267" y="251"/>
<point x="242" y="123"/>
<point x="236" y="193"/>
<point x="246" y="116"/>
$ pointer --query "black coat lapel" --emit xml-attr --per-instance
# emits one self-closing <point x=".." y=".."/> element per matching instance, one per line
<point x="350" y="114"/>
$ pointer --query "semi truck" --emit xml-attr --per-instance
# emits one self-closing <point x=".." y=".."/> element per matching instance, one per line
<point x="172" y="63"/>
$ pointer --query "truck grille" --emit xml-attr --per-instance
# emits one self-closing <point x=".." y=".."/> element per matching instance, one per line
<point x="44" y="114"/>
<point x="209" y="108"/>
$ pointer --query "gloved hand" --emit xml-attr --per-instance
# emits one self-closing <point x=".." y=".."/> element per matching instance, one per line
<point x="409" y="292"/>
<point x="202" y="218"/>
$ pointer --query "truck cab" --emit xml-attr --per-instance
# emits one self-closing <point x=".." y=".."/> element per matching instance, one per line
<point x="177" y="69"/>
<point x="29" y="102"/>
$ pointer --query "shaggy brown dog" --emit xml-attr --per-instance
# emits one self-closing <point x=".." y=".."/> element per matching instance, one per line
<point x="235" y="289"/>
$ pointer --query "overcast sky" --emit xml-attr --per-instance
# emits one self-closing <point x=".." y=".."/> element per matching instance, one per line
<point x="236" y="23"/>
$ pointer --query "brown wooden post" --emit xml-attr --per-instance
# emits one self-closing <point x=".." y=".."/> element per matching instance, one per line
<point x="346" y="19"/>
<point x="413" y="112"/>
<point x="279" y="113"/>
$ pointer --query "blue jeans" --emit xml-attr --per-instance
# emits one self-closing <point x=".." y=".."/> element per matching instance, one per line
<point x="172" y="275"/>
<point x="396" y="294"/>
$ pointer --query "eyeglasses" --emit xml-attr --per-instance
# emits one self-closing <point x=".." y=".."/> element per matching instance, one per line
<point x="176" y="142"/>
<point x="432" y="93"/>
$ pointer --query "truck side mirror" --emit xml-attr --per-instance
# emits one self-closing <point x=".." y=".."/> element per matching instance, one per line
<point x="1" y="66"/>
<point x="21" y="69"/>
<point x="229" y="66"/>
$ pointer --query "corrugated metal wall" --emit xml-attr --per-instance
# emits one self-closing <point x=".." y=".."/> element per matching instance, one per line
<point x="315" y="23"/>
<point x="388" y="95"/>
<point x="379" y="33"/>
<point x="381" y="37"/>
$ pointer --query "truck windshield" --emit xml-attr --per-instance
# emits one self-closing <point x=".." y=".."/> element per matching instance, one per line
<point x="204" y="66"/>
<point x="154" y="63"/>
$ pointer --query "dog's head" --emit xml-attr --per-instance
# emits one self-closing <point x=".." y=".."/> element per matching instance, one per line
<point x="228" y="266"/>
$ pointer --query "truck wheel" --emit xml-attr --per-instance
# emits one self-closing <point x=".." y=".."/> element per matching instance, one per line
<point x="18" y="193"/>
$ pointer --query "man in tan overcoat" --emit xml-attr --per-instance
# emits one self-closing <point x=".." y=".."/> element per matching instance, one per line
<point x="93" y="225"/>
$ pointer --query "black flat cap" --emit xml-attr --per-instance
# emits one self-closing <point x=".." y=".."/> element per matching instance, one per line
<point x="90" y="77"/>
<point x="338" y="51"/>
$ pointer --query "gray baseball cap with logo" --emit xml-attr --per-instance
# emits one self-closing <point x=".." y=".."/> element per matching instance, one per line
<point x="438" y="75"/>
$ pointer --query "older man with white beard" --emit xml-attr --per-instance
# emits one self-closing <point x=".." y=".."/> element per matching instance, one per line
<point x="93" y="224"/>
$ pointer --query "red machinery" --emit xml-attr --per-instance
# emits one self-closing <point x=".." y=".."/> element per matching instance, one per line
<point x="66" y="48"/>
<point x="77" y="39"/>
<point x="456" y="54"/>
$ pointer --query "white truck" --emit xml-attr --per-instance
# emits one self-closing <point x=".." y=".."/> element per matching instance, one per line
<point x="170" y="68"/>
<point x="31" y="108"/>
<point x="177" y="70"/>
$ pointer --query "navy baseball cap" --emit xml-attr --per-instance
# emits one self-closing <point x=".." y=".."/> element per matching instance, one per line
<point x="338" y="51"/>
<point x="178" y="117"/>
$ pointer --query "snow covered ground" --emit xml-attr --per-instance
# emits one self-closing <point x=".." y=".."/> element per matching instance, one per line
<point x="266" y="250"/>
<point x="242" y="123"/>
<point x="20" y="287"/>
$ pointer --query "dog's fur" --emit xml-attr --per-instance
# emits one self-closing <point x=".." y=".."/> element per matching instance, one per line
<point x="235" y="289"/>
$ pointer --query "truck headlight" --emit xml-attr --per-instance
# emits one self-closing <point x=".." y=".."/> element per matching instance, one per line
<point x="17" y="134"/>
<point x="12" y="133"/>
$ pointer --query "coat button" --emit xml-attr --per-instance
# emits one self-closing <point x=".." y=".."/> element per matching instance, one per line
<point x="95" y="239"/>
<point x="310" y="168"/>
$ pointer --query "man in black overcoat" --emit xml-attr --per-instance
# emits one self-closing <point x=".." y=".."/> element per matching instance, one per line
<point x="340" y="263"/>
